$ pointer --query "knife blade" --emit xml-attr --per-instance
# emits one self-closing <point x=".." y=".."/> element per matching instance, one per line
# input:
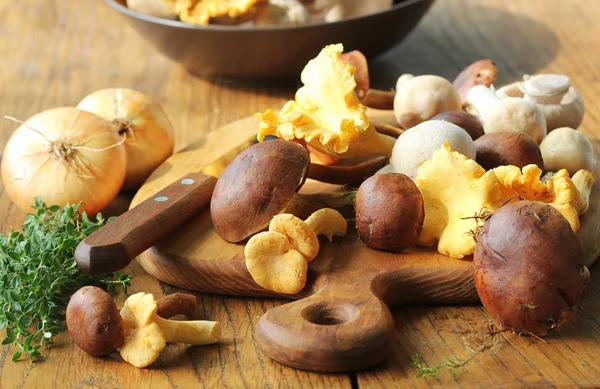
<point x="113" y="246"/>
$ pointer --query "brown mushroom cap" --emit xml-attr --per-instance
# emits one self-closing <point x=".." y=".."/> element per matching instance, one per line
<point x="257" y="185"/>
<point x="94" y="322"/>
<point x="468" y="122"/>
<point x="389" y="212"/>
<point x="507" y="148"/>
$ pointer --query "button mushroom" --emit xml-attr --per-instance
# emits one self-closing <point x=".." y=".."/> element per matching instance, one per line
<point x="278" y="259"/>
<point x="506" y="115"/>
<point x="94" y="322"/>
<point x="566" y="148"/>
<point x="146" y="334"/>
<point x="558" y="101"/>
<point x="416" y="145"/>
<point x="421" y="98"/>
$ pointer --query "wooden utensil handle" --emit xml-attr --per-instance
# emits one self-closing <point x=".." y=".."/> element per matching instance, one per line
<point x="328" y="333"/>
<point x="115" y="245"/>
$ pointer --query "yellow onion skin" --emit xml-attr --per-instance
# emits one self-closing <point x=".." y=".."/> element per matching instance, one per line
<point x="35" y="164"/>
<point x="149" y="134"/>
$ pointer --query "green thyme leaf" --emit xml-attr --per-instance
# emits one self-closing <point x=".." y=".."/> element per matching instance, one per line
<point x="38" y="274"/>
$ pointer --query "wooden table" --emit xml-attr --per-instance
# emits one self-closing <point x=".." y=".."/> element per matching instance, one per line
<point x="54" y="54"/>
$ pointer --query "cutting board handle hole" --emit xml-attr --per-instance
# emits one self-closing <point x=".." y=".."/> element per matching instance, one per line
<point x="330" y="314"/>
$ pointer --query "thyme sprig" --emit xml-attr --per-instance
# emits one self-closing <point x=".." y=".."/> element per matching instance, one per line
<point x="38" y="274"/>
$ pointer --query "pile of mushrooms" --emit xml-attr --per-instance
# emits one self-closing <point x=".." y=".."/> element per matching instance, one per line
<point x="140" y="330"/>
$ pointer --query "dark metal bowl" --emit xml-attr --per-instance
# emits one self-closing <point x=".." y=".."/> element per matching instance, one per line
<point x="271" y="52"/>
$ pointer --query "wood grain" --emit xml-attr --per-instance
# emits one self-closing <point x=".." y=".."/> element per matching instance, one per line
<point x="55" y="52"/>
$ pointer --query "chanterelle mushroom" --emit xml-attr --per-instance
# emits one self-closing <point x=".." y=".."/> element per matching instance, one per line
<point x="326" y="112"/>
<point x="278" y="259"/>
<point x="558" y="101"/>
<point x="146" y="334"/>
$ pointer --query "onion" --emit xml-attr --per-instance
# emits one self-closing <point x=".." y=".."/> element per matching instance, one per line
<point x="149" y="135"/>
<point x="65" y="156"/>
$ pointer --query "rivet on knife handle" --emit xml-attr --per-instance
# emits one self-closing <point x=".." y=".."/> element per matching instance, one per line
<point x="115" y="245"/>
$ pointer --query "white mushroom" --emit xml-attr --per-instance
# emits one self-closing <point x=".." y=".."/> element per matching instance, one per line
<point x="421" y="98"/>
<point x="560" y="103"/>
<point x="510" y="114"/>
<point x="566" y="148"/>
<point x="417" y="144"/>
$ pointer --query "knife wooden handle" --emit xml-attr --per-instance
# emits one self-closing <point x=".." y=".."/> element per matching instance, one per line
<point x="115" y="245"/>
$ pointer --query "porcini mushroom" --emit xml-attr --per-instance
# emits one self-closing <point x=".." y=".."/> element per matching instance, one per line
<point x="559" y="102"/>
<point x="146" y="334"/>
<point x="506" y="115"/>
<point x="566" y="148"/>
<point x="416" y="145"/>
<point x="96" y="326"/>
<point x="94" y="322"/>
<point x="507" y="148"/>
<point x="421" y="98"/>
<point x="389" y="212"/>
<point x="260" y="182"/>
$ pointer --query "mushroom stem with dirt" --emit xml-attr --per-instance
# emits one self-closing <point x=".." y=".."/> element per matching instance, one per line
<point x="94" y="322"/>
<point x="510" y="114"/>
<point x="559" y="102"/>
<point x="146" y="334"/>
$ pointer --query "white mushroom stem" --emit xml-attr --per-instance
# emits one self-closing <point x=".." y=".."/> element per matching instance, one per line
<point x="196" y="332"/>
<point x="480" y="101"/>
<point x="584" y="182"/>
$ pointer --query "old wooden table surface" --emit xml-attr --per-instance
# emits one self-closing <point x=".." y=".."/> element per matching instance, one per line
<point x="52" y="53"/>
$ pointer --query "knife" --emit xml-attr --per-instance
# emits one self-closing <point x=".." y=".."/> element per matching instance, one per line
<point x="113" y="246"/>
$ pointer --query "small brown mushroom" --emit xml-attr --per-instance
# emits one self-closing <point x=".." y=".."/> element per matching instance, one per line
<point x="373" y="98"/>
<point x="482" y="72"/>
<point x="389" y="212"/>
<point x="96" y="326"/>
<point x="468" y="122"/>
<point x="507" y="148"/>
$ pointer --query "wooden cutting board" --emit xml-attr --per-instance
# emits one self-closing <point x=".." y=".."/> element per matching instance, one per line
<point x="341" y="319"/>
